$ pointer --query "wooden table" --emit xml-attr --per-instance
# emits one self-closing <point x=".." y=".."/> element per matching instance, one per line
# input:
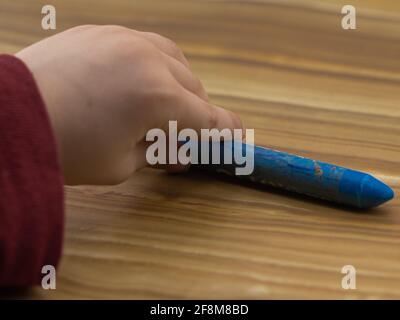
<point x="306" y="86"/>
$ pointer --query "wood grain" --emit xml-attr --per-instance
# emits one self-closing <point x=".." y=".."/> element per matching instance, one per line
<point x="306" y="86"/>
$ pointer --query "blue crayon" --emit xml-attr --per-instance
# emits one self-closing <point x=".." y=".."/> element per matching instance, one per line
<point x="306" y="176"/>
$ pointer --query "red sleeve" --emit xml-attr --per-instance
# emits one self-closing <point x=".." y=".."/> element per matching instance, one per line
<point x="31" y="184"/>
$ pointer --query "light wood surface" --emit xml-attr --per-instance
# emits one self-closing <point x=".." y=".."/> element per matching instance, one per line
<point x="306" y="86"/>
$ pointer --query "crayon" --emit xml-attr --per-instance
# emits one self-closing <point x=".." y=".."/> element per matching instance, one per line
<point x="306" y="176"/>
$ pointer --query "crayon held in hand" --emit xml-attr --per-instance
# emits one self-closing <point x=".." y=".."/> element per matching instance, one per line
<point x="310" y="177"/>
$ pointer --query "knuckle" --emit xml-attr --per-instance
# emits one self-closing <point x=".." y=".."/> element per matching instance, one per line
<point x="212" y="117"/>
<point x="198" y="86"/>
<point x="168" y="45"/>
<point x="160" y="91"/>
<point x="173" y="47"/>
<point x="176" y="50"/>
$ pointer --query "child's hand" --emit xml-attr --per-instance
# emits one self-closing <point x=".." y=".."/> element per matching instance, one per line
<point x="105" y="87"/>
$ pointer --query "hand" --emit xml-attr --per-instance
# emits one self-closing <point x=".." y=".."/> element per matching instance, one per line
<point x="105" y="87"/>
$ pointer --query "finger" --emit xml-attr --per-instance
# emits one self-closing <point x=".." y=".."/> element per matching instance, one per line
<point x="190" y="111"/>
<point x="186" y="78"/>
<point x="166" y="45"/>
<point x="195" y="113"/>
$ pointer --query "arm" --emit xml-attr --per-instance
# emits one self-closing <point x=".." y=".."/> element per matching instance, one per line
<point x="31" y="186"/>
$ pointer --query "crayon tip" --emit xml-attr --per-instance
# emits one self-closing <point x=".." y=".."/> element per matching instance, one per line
<point x="375" y="192"/>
